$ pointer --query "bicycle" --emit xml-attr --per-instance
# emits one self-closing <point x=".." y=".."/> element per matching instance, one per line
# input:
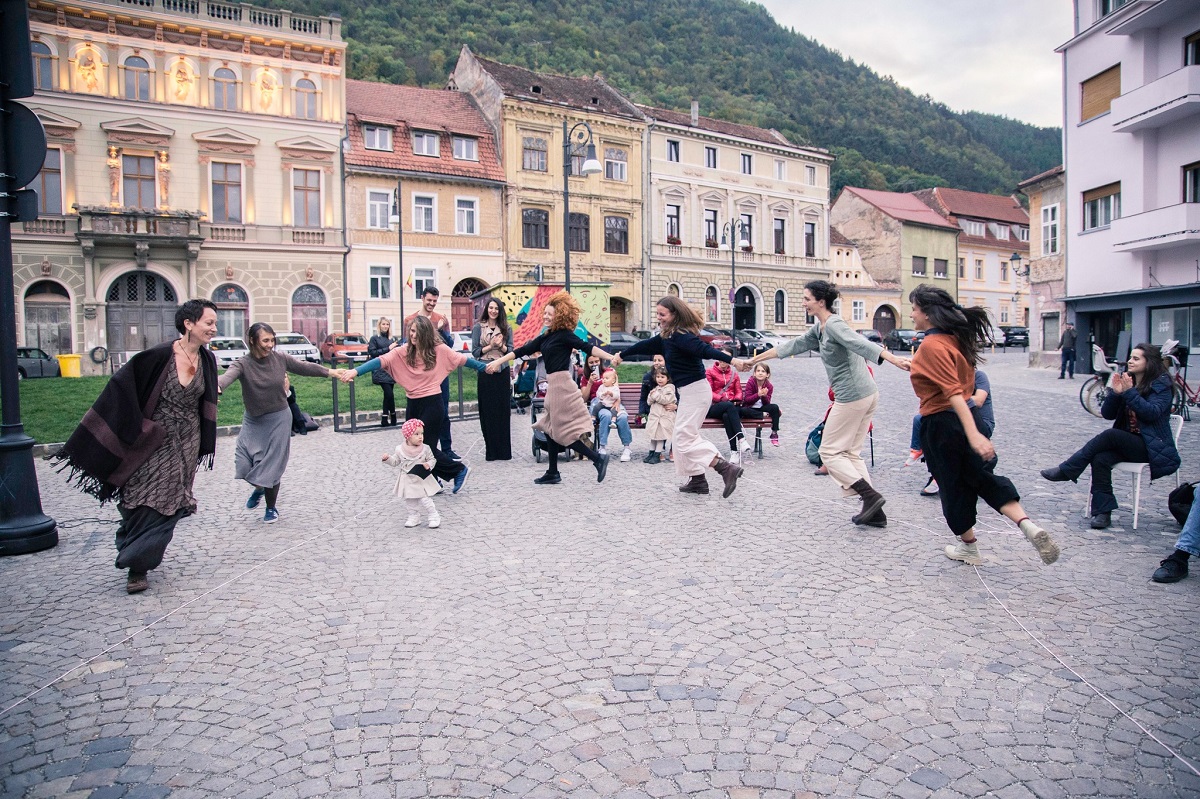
<point x="1095" y="389"/>
<point x="1183" y="396"/>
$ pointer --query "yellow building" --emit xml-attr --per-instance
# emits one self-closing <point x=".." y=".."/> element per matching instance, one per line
<point x="437" y="150"/>
<point x="865" y="303"/>
<point x="193" y="152"/>
<point x="527" y="111"/>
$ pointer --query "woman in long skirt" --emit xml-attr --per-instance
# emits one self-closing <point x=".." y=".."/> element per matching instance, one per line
<point x="491" y="338"/>
<point x="684" y="351"/>
<point x="419" y="367"/>
<point x="264" y="443"/>
<point x="144" y="437"/>
<point x="566" y="419"/>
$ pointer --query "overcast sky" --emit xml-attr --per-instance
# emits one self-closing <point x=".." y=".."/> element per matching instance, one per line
<point x="972" y="55"/>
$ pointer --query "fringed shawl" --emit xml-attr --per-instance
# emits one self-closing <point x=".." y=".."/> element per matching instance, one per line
<point x="117" y="434"/>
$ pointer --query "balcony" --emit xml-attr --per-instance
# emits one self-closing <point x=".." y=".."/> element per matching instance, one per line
<point x="50" y="226"/>
<point x="139" y="223"/>
<point x="1169" y="99"/>
<point x="1160" y="229"/>
<point x="682" y="252"/>
<point x="278" y="22"/>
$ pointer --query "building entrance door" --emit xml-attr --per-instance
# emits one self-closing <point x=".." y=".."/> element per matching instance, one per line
<point x="48" y="318"/>
<point x="884" y="321"/>
<point x="140" y="307"/>
<point x="310" y="313"/>
<point x="745" y="309"/>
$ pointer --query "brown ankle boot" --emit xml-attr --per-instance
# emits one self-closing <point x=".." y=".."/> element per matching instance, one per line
<point x="872" y="501"/>
<point x="697" y="485"/>
<point x="730" y="472"/>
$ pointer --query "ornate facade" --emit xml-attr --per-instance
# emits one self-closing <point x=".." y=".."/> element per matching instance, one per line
<point x="193" y="152"/>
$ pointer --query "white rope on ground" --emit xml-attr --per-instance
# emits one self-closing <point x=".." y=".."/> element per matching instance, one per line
<point x="169" y="614"/>
<point x="1027" y="631"/>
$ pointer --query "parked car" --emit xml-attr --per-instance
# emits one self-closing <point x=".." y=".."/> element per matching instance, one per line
<point x="620" y="341"/>
<point x="718" y="340"/>
<point x="298" y="346"/>
<point x="33" y="362"/>
<point x="871" y="335"/>
<point x="769" y="338"/>
<point x="641" y="334"/>
<point x="227" y="349"/>
<point x="462" y="341"/>
<point x="1013" y="336"/>
<point x="903" y="339"/>
<point x="749" y="341"/>
<point x="344" y="347"/>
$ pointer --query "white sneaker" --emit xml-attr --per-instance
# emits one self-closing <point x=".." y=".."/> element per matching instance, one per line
<point x="435" y="521"/>
<point x="735" y="457"/>
<point x="967" y="553"/>
<point x="413" y="520"/>
<point x="746" y="444"/>
<point x="626" y="455"/>
<point x="602" y="451"/>
<point x="612" y="425"/>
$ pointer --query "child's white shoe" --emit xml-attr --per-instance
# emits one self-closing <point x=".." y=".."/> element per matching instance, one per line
<point x="746" y="444"/>
<point x="435" y="521"/>
<point x="735" y="458"/>
<point x="626" y="455"/>
<point x="413" y="520"/>
<point x="602" y="451"/>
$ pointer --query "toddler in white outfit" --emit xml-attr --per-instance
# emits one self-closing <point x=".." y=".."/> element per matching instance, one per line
<point x="416" y="484"/>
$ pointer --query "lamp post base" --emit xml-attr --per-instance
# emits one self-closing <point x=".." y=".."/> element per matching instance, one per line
<point x="23" y="526"/>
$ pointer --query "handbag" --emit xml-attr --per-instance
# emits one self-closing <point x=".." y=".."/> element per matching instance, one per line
<point x="1179" y="501"/>
<point x="812" y="447"/>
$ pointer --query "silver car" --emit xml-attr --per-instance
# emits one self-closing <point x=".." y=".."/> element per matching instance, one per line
<point x="227" y="349"/>
<point x="33" y="362"/>
<point x="298" y="346"/>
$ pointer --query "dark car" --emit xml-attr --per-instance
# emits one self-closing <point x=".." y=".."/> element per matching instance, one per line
<point x="871" y="335"/>
<point x="33" y="362"/>
<point x="1013" y="336"/>
<point x="619" y="342"/>
<point x="741" y="342"/>
<point x="903" y="339"/>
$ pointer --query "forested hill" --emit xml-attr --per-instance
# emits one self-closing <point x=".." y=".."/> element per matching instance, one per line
<point x="730" y="55"/>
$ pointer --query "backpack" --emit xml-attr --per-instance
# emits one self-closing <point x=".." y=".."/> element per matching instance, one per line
<point x="1179" y="501"/>
<point x="812" y="446"/>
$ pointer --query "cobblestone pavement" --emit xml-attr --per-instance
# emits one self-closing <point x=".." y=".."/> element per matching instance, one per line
<point x="619" y="640"/>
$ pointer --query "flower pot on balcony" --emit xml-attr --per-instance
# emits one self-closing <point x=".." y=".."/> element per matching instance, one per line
<point x="673" y="240"/>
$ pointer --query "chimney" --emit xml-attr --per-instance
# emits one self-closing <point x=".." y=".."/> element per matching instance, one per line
<point x="695" y="113"/>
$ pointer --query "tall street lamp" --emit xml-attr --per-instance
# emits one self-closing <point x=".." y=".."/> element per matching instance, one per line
<point x="591" y="166"/>
<point x="734" y="229"/>
<point x="394" y="219"/>
<point x="1018" y="273"/>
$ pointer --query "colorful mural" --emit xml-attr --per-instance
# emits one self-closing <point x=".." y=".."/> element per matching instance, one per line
<point x="525" y="302"/>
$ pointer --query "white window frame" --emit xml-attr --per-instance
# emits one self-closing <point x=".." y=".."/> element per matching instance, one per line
<point x="711" y="159"/>
<point x="747" y="164"/>
<point x="423" y="276"/>
<point x="465" y="148"/>
<point x="858" y="310"/>
<point x="375" y="197"/>
<point x="472" y="213"/>
<point x="423" y="138"/>
<point x="810" y="175"/>
<point x="418" y="224"/>
<point x="379" y="283"/>
<point x="979" y="273"/>
<point x="615" y="170"/>
<point x="673" y="153"/>
<point x="780" y="169"/>
<point x="1022" y="233"/>
<point x="1100" y="212"/>
<point x="972" y="228"/>
<point x="377" y="137"/>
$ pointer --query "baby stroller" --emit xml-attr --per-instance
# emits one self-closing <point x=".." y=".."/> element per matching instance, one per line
<point x="523" y="389"/>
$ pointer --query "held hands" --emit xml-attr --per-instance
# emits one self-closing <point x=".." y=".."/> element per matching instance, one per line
<point x="493" y="367"/>
<point x="616" y="360"/>
<point x="346" y="375"/>
<point x="740" y="365"/>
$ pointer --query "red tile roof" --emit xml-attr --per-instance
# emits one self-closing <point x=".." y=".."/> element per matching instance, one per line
<point x="586" y="94"/>
<point x="837" y="239"/>
<point x="408" y="108"/>
<point x="904" y="207"/>
<point x="717" y="126"/>
<point x="976" y="205"/>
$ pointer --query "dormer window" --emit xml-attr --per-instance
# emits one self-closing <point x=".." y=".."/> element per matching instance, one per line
<point x="425" y="144"/>
<point x="595" y="101"/>
<point x="999" y="231"/>
<point x="466" y="149"/>
<point x="535" y="89"/>
<point x="971" y="227"/>
<point x="377" y="138"/>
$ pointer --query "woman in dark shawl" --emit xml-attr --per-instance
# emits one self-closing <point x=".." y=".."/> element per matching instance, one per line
<point x="143" y="438"/>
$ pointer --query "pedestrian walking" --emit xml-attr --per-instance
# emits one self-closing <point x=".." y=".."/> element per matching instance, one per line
<point x="143" y="439"/>
<point x="1066" y="343"/>
<point x="418" y="366"/>
<point x="264" y="442"/>
<point x="491" y="338"/>
<point x="567" y="419"/>
<point x="380" y="344"/>
<point x="958" y="455"/>
<point x="1139" y="403"/>
<point x="845" y="355"/>
<point x="684" y="352"/>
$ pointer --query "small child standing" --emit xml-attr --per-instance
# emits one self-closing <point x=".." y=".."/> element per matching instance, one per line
<point x="660" y="422"/>
<point x="609" y="411"/>
<point x="416" y="484"/>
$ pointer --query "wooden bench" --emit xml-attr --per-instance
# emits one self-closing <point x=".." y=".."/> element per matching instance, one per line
<point x="631" y="394"/>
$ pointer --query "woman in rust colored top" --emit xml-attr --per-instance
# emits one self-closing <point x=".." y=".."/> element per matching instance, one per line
<point x="960" y="458"/>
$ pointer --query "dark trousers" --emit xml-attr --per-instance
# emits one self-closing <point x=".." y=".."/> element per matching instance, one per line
<point x="1104" y="451"/>
<point x="432" y="412"/>
<point x="444" y="436"/>
<point x="389" y="398"/>
<point x="494" y="393"/>
<point x="554" y="448"/>
<point x="963" y="477"/>
<point x="143" y="535"/>
<point x="727" y="412"/>
<point x="1068" y="362"/>
<point x="771" y="410"/>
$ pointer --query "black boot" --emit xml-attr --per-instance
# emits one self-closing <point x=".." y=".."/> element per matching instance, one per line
<point x="393" y="417"/>
<point x="878" y="520"/>
<point x="730" y="472"/>
<point x="383" y="420"/>
<point x="1173" y="569"/>
<point x="697" y="485"/>
<point x="549" y="479"/>
<point x="1057" y="475"/>
<point x="872" y="501"/>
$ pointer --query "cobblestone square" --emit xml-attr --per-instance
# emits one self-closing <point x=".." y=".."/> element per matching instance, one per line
<point x="613" y="640"/>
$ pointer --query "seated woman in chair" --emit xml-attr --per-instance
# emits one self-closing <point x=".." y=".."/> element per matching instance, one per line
<point x="1140" y="405"/>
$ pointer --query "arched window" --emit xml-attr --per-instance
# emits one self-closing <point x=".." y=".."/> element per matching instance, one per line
<point x="137" y="79"/>
<point x="225" y="89"/>
<point x="43" y="65"/>
<point x="673" y="290"/>
<point x="310" y="315"/>
<point x="48" y="319"/>
<point x="711" y="310"/>
<point x="780" y="307"/>
<point x="306" y="99"/>
<point x="233" y="310"/>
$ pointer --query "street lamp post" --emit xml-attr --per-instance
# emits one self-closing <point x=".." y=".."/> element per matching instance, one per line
<point x="733" y="230"/>
<point x="1019" y="273"/>
<point x="394" y="219"/>
<point x="590" y="167"/>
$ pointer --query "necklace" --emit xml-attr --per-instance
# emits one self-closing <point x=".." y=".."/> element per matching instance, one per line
<point x="192" y="361"/>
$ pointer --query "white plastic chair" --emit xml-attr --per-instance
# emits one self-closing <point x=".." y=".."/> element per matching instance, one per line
<point x="1135" y="471"/>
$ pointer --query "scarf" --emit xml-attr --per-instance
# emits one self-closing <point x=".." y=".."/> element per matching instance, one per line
<point x="112" y="441"/>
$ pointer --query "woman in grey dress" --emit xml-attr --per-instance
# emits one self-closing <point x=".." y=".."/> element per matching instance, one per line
<point x="265" y="440"/>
